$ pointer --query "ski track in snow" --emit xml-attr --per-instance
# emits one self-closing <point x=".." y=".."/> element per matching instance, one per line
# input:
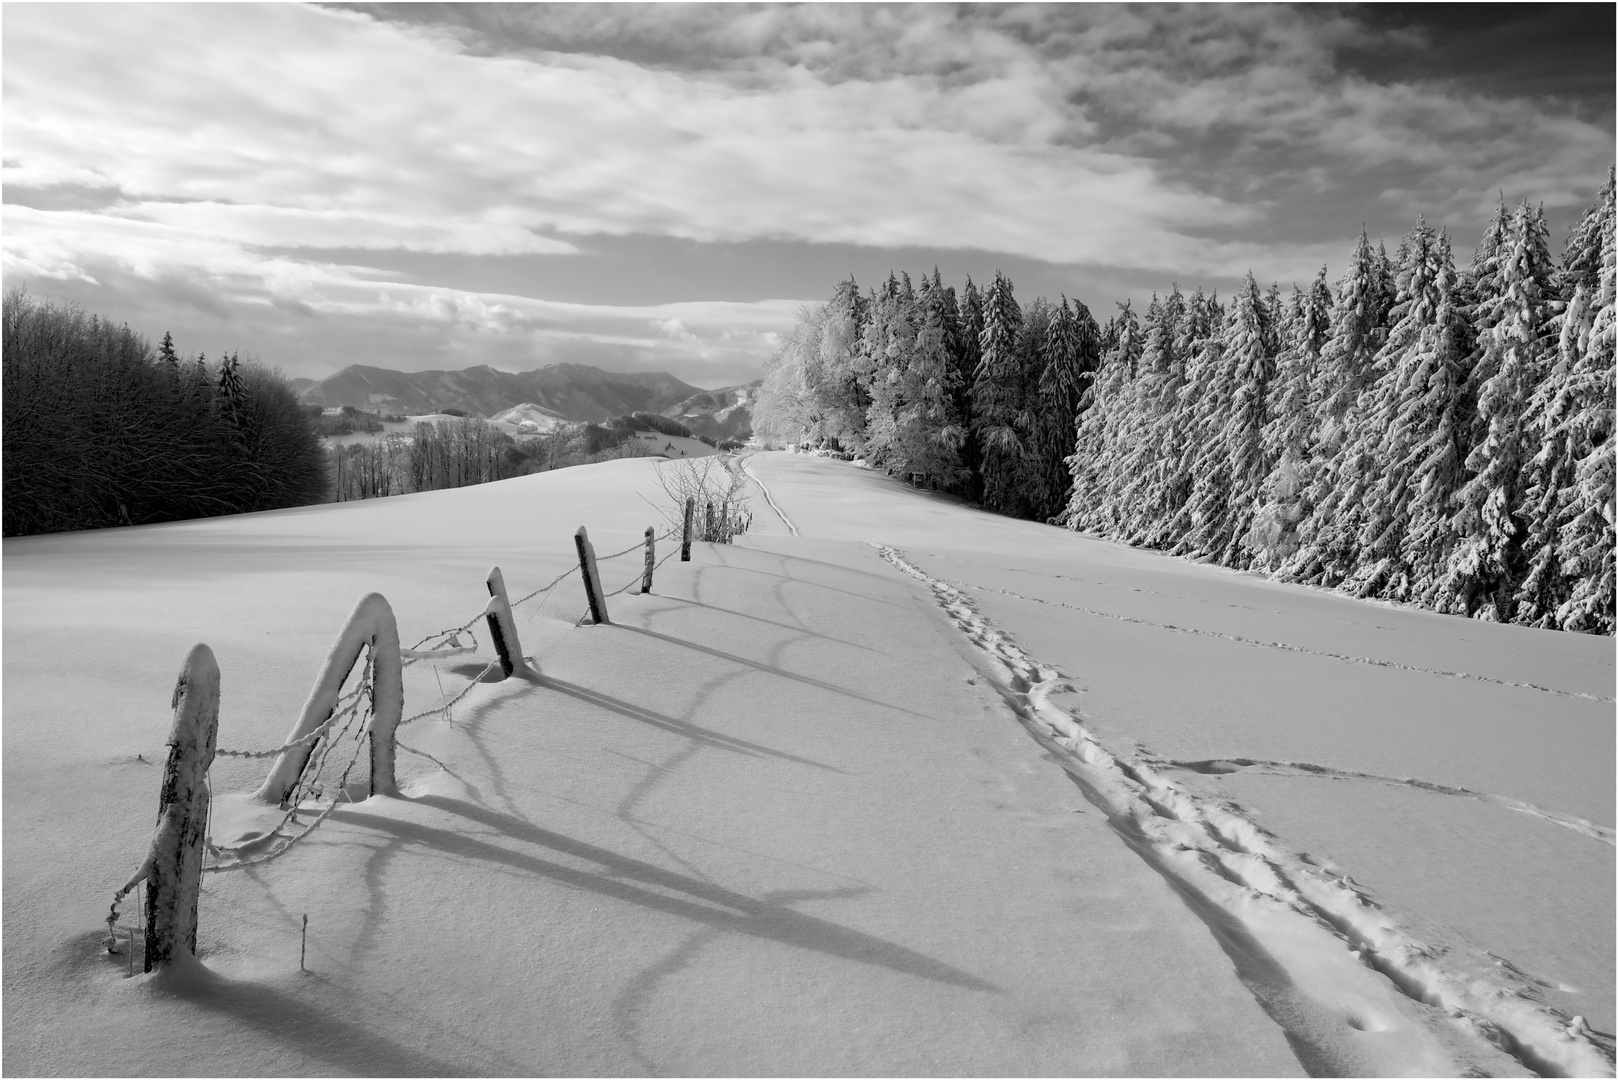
<point x="1221" y="766"/>
<point x="1269" y="905"/>
<point x="1284" y="645"/>
<point x="793" y="529"/>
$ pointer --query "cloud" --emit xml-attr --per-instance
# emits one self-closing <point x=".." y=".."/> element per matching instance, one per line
<point x="1187" y="142"/>
<point x="297" y="126"/>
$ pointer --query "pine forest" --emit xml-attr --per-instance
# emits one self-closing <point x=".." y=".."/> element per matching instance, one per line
<point x="1416" y="431"/>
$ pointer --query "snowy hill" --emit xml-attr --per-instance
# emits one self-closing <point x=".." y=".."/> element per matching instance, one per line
<point x="888" y="787"/>
<point x="527" y="419"/>
<point x="726" y="413"/>
<point x="576" y="391"/>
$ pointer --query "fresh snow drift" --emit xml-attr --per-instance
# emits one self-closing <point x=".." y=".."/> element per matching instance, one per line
<point x="784" y="813"/>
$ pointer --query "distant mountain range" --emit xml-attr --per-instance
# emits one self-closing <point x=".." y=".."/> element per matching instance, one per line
<point x="575" y="391"/>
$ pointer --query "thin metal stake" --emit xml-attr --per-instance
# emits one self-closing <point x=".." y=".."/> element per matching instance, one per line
<point x="304" y="946"/>
<point x="443" y="697"/>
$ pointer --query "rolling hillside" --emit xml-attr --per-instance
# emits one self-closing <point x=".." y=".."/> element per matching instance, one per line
<point x="576" y="391"/>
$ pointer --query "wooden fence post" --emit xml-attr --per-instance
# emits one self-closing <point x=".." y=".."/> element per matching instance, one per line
<point x="592" y="578"/>
<point x="685" y="538"/>
<point x="651" y="560"/>
<point x="503" y="628"/>
<point x="174" y="867"/>
<point x="708" y="529"/>
<point x="370" y="623"/>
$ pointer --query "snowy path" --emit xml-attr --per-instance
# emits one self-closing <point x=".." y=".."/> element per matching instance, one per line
<point x="1460" y="883"/>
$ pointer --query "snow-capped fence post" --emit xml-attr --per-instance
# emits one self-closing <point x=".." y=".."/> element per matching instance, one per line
<point x="502" y="627"/>
<point x="173" y="869"/>
<point x="592" y="578"/>
<point x="685" y="538"/>
<point x="651" y="556"/>
<point x="371" y="623"/>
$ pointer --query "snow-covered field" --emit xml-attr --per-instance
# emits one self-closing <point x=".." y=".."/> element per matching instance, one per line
<point x="890" y="786"/>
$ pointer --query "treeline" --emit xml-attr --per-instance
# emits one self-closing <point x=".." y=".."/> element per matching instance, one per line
<point x="649" y="421"/>
<point x="100" y="429"/>
<point x="968" y="392"/>
<point x="436" y="455"/>
<point x="1419" y="431"/>
<point x="455" y="453"/>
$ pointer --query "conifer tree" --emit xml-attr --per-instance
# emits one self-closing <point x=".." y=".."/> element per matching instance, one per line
<point x="999" y="397"/>
<point x="834" y="376"/>
<point x="1586" y="537"/>
<point x="968" y="354"/>
<point x="166" y="353"/>
<point x="1230" y="464"/>
<point x="885" y="347"/>
<point x="1150" y="436"/>
<point x="230" y="389"/>
<point x="1289" y="433"/>
<point x="1515" y="292"/>
<point x="1091" y="504"/>
<point x="1486" y="260"/>
<point x="1357" y="332"/>
<point x="1070" y="352"/>
<point x="1407" y="443"/>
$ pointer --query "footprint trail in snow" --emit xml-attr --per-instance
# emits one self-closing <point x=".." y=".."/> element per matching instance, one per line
<point x="1330" y="966"/>
<point x="1288" y="646"/>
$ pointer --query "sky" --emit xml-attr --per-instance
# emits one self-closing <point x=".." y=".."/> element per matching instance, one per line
<point x="665" y="187"/>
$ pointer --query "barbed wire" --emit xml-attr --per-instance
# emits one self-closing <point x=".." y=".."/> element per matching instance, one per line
<point x="547" y="587"/>
<point x="308" y="739"/>
<point x="346" y="709"/>
<point x="307" y="785"/>
<point x="642" y="575"/>
<point x="307" y="788"/>
<point x="444" y="708"/>
<point x="454" y="648"/>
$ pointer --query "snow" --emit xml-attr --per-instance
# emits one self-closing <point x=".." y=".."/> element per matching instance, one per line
<point x="528" y="419"/>
<point x="801" y="811"/>
<point x="673" y="446"/>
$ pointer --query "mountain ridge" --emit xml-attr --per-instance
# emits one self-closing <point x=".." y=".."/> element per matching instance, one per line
<point x="577" y="392"/>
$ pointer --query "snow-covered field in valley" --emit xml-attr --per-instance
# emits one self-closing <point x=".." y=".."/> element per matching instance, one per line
<point x="888" y="787"/>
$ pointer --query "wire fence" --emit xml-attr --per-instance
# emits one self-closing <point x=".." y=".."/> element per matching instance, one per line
<point x="351" y="717"/>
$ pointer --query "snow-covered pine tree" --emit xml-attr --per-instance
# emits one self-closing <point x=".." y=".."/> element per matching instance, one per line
<point x="1070" y="350"/>
<point x="1231" y="465"/>
<point x="938" y="425"/>
<point x="1289" y="434"/>
<point x="1410" y="433"/>
<point x="1515" y="293"/>
<point x="1586" y="537"/>
<point x="886" y="346"/>
<point x="1092" y="505"/>
<point x="999" y="396"/>
<point x="1358" y="329"/>
<point x="834" y="376"/>
<point x="1487" y="258"/>
<point x="1438" y="423"/>
<point x="1558" y="446"/>
<point x="1147" y="450"/>
<point x="968" y="353"/>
